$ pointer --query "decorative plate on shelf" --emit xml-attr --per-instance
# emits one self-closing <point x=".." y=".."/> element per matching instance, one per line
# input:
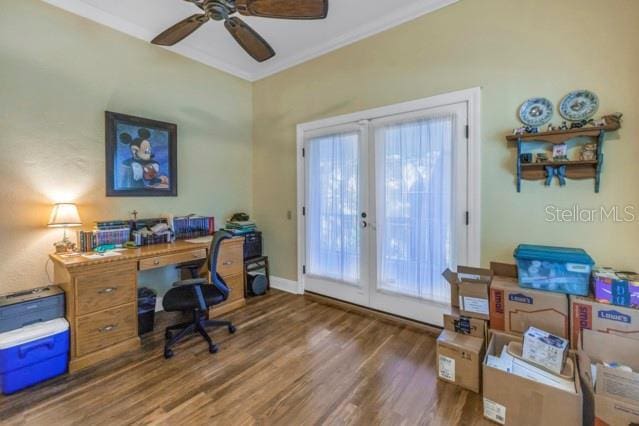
<point x="536" y="112"/>
<point x="579" y="105"/>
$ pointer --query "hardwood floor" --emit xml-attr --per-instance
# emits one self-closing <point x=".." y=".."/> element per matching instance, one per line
<point x="293" y="361"/>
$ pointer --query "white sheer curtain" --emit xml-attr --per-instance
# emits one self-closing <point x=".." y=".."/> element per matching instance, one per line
<point x="333" y="240"/>
<point x="415" y="206"/>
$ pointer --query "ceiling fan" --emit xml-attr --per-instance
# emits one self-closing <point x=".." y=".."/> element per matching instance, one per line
<point x="251" y="41"/>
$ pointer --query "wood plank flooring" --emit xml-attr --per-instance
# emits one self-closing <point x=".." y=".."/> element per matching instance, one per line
<point x="293" y="361"/>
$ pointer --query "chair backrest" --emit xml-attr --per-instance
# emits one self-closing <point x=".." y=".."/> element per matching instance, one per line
<point x="214" y="252"/>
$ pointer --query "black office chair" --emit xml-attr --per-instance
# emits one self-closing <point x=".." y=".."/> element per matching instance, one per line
<point x="197" y="296"/>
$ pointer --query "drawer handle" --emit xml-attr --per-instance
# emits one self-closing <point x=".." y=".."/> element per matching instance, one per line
<point x="107" y="328"/>
<point x="156" y="262"/>
<point x="107" y="290"/>
<point x="227" y="263"/>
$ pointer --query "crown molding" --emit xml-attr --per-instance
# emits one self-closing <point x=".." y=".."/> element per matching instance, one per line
<point x="385" y="22"/>
<point x="78" y="7"/>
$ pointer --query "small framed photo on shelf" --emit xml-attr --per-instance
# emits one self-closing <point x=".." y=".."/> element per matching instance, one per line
<point x="141" y="157"/>
<point x="560" y="152"/>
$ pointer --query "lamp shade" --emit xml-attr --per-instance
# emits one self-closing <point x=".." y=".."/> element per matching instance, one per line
<point x="64" y="214"/>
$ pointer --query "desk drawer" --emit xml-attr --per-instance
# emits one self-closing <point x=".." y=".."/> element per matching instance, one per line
<point x="172" y="259"/>
<point x="230" y="261"/>
<point x="236" y="285"/>
<point x="106" y="328"/>
<point x="104" y="290"/>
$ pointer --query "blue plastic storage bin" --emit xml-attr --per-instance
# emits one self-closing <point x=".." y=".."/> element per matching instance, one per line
<point x="33" y="354"/>
<point x="557" y="269"/>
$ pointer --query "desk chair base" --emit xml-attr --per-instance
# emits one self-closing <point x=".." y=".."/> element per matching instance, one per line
<point x="198" y="324"/>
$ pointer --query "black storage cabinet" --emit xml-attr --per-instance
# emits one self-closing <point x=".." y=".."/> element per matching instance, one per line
<point x="146" y="310"/>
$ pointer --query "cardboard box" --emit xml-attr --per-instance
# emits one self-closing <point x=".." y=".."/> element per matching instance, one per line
<point x="459" y="359"/>
<point x="513" y="400"/>
<point x="613" y="397"/>
<point x="616" y="287"/>
<point x="465" y="274"/>
<point x="514" y="309"/>
<point x="466" y="325"/>
<point x="589" y="314"/>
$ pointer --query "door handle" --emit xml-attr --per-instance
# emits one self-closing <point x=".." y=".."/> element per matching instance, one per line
<point x="364" y="224"/>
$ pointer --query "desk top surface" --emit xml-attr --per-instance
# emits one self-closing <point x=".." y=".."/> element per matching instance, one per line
<point x="134" y="254"/>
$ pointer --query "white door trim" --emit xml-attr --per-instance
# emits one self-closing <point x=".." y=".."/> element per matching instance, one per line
<point x="471" y="96"/>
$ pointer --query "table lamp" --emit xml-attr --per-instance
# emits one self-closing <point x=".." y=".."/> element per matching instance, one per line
<point x="64" y="215"/>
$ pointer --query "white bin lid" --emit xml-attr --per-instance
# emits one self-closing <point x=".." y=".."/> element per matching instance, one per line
<point x="32" y="332"/>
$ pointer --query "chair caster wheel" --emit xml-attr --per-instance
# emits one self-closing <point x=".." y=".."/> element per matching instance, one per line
<point x="232" y="329"/>
<point x="168" y="353"/>
<point x="213" y="348"/>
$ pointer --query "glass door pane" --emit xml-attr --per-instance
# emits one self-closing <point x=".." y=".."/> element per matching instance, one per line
<point x="333" y="208"/>
<point x="415" y="206"/>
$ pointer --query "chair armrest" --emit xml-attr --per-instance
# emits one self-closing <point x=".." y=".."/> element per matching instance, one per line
<point x="192" y="281"/>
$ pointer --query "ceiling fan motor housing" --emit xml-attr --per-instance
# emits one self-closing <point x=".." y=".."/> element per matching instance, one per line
<point x="218" y="10"/>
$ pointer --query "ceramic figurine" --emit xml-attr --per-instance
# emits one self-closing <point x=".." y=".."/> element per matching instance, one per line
<point x="541" y="157"/>
<point x="613" y="119"/>
<point x="564" y="126"/>
<point x="588" y="152"/>
<point x="526" y="158"/>
<point x="519" y="131"/>
<point x="531" y="129"/>
<point x="551" y="128"/>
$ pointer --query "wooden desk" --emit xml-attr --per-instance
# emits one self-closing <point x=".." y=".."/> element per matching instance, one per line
<point x="101" y="294"/>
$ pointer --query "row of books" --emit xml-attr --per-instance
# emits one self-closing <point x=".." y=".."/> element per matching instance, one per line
<point x="141" y="232"/>
<point x="185" y="227"/>
<point x="89" y="240"/>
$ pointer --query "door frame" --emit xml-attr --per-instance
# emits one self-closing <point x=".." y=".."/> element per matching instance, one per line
<point x="470" y="96"/>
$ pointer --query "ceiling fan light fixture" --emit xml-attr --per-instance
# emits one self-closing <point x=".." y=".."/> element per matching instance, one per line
<point x="249" y="39"/>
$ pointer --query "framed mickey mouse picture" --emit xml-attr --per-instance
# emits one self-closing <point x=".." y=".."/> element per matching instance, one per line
<point x="141" y="157"/>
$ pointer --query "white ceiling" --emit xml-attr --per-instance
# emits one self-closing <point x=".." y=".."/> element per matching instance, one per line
<point x="294" y="41"/>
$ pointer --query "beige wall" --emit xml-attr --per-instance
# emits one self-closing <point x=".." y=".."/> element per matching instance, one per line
<point x="513" y="49"/>
<point x="58" y="74"/>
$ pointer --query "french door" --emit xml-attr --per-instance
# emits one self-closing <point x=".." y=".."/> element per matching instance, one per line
<point x="385" y="210"/>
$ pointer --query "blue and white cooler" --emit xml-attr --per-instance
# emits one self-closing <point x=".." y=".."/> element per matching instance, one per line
<point x="33" y="354"/>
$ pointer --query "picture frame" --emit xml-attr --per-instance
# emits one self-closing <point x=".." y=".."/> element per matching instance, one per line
<point x="141" y="157"/>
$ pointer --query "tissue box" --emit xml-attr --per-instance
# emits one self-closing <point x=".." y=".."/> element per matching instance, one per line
<point x="616" y="287"/>
<point x="545" y="349"/>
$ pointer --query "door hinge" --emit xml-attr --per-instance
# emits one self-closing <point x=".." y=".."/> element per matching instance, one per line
<point x="467" y="218"/>
<point x="303" y="211"/>
<point x="303" y="152"/>
<point x="467" y="131"/>
<point x="303" y="269"/>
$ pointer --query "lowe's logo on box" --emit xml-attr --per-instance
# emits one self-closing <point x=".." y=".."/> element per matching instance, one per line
<point x="614" y="316"/>
<point x="520" y="298"/>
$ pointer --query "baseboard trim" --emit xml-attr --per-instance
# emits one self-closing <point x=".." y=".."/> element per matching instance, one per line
<point x="288" y="286"/>
<point x="421" y="326"/>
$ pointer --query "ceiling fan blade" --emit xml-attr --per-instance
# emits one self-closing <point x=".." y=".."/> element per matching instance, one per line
<point x="180" y="31"/>
<point x="285" y="9"/>
<point x="250" y="41"/>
